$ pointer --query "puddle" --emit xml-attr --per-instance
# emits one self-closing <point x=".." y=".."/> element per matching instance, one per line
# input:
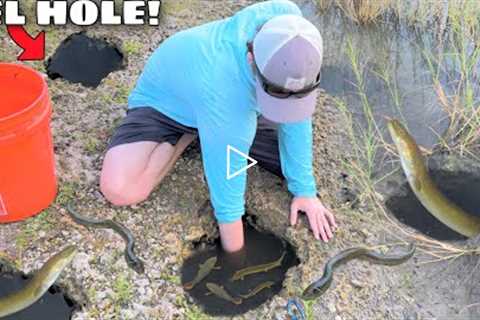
<point x="260" y="247"/>
<point x="85" y="60"/>
<point x="396" y="77"/>
<point x="54" y="305"/>
<point x="461" y="187"/>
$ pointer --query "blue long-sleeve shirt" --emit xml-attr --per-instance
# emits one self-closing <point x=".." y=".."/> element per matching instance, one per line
<point x="200" y="77"/>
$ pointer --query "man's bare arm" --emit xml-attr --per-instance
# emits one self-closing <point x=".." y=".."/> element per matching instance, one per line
<point x="231" y="235"/>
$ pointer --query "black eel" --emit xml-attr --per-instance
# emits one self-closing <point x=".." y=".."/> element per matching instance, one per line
<point x="131" y="258"/>
<point x="319" y="287"/>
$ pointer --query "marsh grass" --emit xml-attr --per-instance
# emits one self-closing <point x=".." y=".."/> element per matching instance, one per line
<point x="365" y="134"/>
<point x="324" y="5"/>
<point x="364" y="11"/>
<point x="418" y="13"/>
<point x="460" y="100"/>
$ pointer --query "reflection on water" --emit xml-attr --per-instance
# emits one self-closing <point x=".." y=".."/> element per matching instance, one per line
<point x="397" y="76"/>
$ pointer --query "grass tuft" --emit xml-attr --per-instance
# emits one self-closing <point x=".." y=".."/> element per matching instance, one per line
<point x="122" y="289"/>
<point x="364" y="11"/>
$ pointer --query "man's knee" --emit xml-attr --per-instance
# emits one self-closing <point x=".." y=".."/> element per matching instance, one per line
<point x="121" y="192"/>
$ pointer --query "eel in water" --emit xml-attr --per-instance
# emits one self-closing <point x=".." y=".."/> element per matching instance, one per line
<point x="220" y="292"/>
<point x="42" y="280"/>
<point x="319" y="287"/>
<point x="425" y="189"/>
<point x="131" y="258"/>
<point x="242" y="273"/>
<point x="257" y="289"/>
<point x="203" y="271"/>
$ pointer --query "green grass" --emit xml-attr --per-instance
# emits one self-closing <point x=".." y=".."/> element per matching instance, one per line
<point x="174" y="279"/>
<point x="66" y="192"/>
<point x="31" y="227"/>
<point x="120" y="92"/>
<point x="308" y="305"/>
<point x="122" y="289"/>
<point x="91" y="144"/>
<point x="132" y="47"/>
<point x="192" y="312"/>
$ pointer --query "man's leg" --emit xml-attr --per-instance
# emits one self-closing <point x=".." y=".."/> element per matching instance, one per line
<point x="131" y="171"/>
<point x="142" y="151"/>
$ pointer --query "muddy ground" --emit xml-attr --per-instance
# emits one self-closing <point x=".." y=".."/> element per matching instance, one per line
<point x="169" y="221"/>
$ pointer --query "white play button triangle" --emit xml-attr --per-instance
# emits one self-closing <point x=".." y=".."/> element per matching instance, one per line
<point x="250" y="161"/>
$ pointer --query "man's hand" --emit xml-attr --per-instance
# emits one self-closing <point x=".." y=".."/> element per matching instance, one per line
<point x="320" y="218"/>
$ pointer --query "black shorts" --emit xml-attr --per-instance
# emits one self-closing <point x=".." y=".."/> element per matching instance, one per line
<point x="148" y="124"/>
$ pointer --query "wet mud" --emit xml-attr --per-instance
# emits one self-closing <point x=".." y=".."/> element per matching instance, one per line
<point x="460" y="187"/>
<point x="260" y="248"/>
<point x="85" y="60"/>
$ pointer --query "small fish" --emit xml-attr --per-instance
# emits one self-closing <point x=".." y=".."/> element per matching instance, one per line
<point x="257" y="289"/>
<point x="203" y="271"/>
<point x="220" y="292"/>
<point x="242" y="273"/>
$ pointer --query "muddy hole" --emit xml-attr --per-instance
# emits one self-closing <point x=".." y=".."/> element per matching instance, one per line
<point x="260" y="248"/>
<point x="460" y="187"/>
<point x="85" y="60"/>
<point x="54" y="305"/>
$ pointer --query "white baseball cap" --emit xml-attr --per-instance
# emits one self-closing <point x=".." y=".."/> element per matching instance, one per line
<point x="288" y="52"/>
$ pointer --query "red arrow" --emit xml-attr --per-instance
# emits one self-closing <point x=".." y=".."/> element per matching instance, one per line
<point x="33" y="48"/>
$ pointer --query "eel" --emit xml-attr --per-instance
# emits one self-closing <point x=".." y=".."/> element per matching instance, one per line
<point x="425" y="189"/>
<point x="257" y="289"/>
<point x="220" y="292"/>
<point x="319" y="287"/>
<point x="242" y="273"/>
<point x="42" y="280"/>
<point x="131" y="258"/>
<point x="203" y="271"/>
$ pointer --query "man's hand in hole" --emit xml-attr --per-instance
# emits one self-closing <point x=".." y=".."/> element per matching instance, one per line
<point x="320" y="218"/>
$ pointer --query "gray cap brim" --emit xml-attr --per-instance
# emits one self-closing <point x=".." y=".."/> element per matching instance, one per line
<point x="285" y="110"/>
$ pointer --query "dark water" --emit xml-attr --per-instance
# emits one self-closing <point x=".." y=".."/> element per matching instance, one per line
<point x="461" y="187"/>
<point x="85" y="60"/>
<point x="397" y="65"/>
<point x="260" y="247"/>
<point x="54" y="305"/>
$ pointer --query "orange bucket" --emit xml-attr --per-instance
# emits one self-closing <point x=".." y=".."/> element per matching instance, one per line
<point x="27" y="166"/>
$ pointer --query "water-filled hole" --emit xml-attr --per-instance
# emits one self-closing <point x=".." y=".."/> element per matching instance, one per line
<point x="260" y="247"/>
<point x="54" y="305"/>
<point x="460" y="187"/>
